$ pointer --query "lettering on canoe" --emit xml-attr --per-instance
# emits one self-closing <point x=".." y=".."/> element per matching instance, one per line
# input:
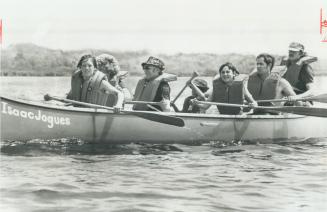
<point x="38" y="116"/>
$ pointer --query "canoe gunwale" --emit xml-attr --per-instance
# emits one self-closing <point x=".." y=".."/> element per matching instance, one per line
<point x="176" y="114"/>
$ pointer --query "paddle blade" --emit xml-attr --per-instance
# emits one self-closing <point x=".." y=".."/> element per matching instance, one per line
<point x="308" y="111"/>
<point x="318" y="98"/>
<point x="171" y="120"/>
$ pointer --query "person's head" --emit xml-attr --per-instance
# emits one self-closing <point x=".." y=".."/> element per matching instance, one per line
<point x="201" y="84"/>
<point x="108" y="64"/>
<point x="265" y="63"/>
<point x="295" y="51"/>
<point x="153" y="67"/>
<point x="88" y="65"/>
<point x="227" y="72"/>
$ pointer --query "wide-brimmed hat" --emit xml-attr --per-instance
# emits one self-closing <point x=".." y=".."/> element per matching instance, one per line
<point x="153" y="61"/>
<point x="294" y="46"/>
<point x="200" y="83"/>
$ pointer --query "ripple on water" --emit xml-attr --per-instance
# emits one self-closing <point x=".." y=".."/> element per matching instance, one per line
<point x="77" y="176"/>
<point x="71" y="146"/>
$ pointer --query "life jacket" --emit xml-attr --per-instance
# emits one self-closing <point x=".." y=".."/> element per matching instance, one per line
<point x="233" y="94"/>
<point x="263" y="89"/>
<point x="88" y="91"/>
<point x="112" y="98"/>
<point x="147" y="90"/>
<point x="293" y="70"/>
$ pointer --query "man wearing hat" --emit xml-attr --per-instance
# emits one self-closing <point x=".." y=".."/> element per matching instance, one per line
<point x="109" y="65"/>
<point x="188" y="107"/>
<point x="299" y="73"/>
<point x="154" y="87"/>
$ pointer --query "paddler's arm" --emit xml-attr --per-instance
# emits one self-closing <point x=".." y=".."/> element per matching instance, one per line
<point x="204" y="107"/>
<point x="308" y="93"/>
<point x="307" y="77"/>
<point x="124" y="89"/>
<point x="286" y="88"/>
<point x="164" y="92"/>
<point x="248" y="95"/>
<point x="201" y="96"/>
<point x="108" y="88"/>
<point x="287" y="91"/>
<point x="69" y="95"/>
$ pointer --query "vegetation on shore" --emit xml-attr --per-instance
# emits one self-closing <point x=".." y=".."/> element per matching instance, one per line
<point x="32" y="60"/>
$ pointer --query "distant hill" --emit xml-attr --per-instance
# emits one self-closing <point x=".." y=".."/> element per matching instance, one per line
<point x="31" y="60"/>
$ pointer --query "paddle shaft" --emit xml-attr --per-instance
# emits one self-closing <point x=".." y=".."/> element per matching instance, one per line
<point x="195" y="74"/>
<point x="171" y="120"/>
<point x="221" y="104"/>
<point x="100" y="106"/>
<point x="80" y="103"/>
<point x="143" y="102"/>
<point x="308" y="111"/>
<point x="317" y="98"/>
<point x="198" y="91"/>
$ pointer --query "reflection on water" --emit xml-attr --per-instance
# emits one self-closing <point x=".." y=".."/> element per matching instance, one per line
<point x="72" y="175"/>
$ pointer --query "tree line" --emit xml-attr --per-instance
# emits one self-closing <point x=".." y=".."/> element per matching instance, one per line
<point x="32" y="60"/>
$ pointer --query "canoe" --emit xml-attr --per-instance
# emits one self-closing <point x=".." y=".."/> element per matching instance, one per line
<point x="22" y="120"/>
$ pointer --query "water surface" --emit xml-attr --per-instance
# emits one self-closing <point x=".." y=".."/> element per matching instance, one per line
<point x="71" y="175"/>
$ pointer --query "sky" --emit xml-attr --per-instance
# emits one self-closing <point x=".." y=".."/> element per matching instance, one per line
<point x="166" y="26"/>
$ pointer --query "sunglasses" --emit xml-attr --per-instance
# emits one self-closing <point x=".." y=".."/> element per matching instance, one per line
<point x="147" y="67"/>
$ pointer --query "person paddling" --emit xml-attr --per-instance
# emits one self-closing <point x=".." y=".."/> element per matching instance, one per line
<point x="299" y="73"/>
<point x="188" y="107"/>
<point x="109" y="65"/>
<point x="229" y="87"/>
<point x="154" y="87"/>
<point x="266" y="84"/>
<point x="91" y="86"/>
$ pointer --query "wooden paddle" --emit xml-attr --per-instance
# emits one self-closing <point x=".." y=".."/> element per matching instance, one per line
<point x="317" y="98"/>
<point x="142" y="102"/>
<point x="195" y="74"/>
<point x="308" y="111"/>
<point x="152" y="116"/>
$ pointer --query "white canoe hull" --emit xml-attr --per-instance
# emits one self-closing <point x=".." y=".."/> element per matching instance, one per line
<point x="21" y="121"/>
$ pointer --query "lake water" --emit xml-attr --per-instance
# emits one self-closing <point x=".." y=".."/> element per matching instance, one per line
<point x="64" y="175"/>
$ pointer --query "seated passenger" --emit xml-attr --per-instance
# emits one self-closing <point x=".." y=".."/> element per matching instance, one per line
<point x="299" y="72"/>
<point x="229" y="87"/>
<point x="154" y="86"/>
<point x="266" y="84"/>
<point x="188" y="107"/>
<point x="110" y="67"/>
<point x="90" y="85"/>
